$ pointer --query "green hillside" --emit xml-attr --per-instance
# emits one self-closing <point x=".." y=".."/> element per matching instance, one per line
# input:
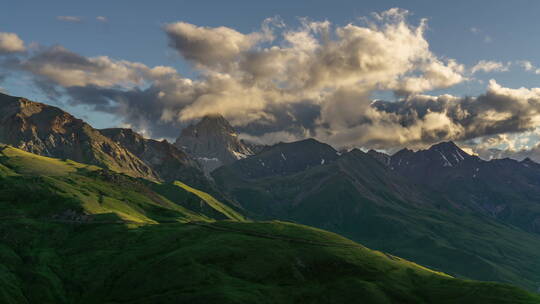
<point x="52" y="188"/>
<point x="359" y="198"/>
<point x="224" y="262"/>
<point x="72" y="233"/>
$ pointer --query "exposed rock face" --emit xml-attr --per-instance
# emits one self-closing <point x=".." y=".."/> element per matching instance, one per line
<point x="445" y="154"/>
<point x="169" y="162"/>
<point x="213" y="142"/>
<point x="46" y="130"/>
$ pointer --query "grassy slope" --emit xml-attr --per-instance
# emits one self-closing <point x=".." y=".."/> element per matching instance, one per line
<point x="211" y="201"/>
<point x="94" y="191"/>
<point x="181" y="263"/>
<point x="359" y="200"/>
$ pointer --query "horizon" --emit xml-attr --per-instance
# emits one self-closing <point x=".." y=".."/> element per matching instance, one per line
<point x="347" y="149"/>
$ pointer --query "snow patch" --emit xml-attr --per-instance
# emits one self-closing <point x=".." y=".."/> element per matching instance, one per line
<point x="283" y="156"/>
<point x="206" y="159"/>
<point x="322" y="161"/>
<point x="239" y="155"/>
<point x="446" y="162"/>
<point x="459" y="154"/>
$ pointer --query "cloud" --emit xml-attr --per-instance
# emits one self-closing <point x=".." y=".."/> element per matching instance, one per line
<point x="11" y="43"/>
<point x="487" y="66"/>
<point x="282" y="83"/>
<point x="73" y="19"/>
<point x="528" y="66"/>
<point x="102" y="19"/>
<point x="210" y="47"/>
<point x="511" y="145"/>
<point x="309" y="62"/>
<point x="67" y="69"/>
<point x="532" y="153"/>
<point x="498" y="111"/>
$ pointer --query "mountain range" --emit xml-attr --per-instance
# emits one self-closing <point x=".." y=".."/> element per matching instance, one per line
<point x="214" y="218"/>
<point x="406" y="213"/>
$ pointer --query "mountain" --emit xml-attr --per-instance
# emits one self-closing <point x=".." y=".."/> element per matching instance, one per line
<point x="286" y="158"/>
<point x="505" y="189"/>
<point x="119" y="209"/>
<point x="169" y="162"/>
<point x="77" y="233"/>
<point x="213" y="142"/>
<point x="532" y="153"/>
<point x="52" y="187"/>
<point x="383" y="158"/>
<point x="430" y="161"/>
<point x="46" y="130"/>
<point x="360" y="197"/>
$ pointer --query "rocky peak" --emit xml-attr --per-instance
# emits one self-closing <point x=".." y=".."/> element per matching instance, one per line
<point x="444" y="154"/>
<point x="213" y="123"/>
<point x="449" y="153"/>
<point x="213" y="142"/>
<point x="166" y="159"/>
<point x="383" y="158"/>
<point x="47" y="130"/>
<point x="447" y="146"/>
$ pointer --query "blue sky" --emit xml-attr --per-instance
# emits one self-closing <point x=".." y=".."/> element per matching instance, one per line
<point x="133" y="30"/>
<point x="467" y="31"/>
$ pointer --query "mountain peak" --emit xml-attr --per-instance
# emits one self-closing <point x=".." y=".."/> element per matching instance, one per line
<point x="402" y="152"/>
<point x="213" y="142"/>
<point x="444" y="146"/>
<point x="286" y="158"/>
<point x="49" y="131"/>
<point x="450" y="154"/>
<point x="214" y="117"/>
<point x="529" y="162"/>
<point x="209" y="124"/>
<point x="380" y="156"/>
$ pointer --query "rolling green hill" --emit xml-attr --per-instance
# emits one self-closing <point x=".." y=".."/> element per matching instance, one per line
<point x="224" y="262"/>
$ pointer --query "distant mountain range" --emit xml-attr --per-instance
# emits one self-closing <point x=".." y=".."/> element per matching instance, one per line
<point x="439" y="207"/>
<point x="431" y="206"/>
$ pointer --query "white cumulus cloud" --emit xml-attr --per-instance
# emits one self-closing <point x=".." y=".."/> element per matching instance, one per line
<point x="487" y="66"/>
<point x="11" y="43"/>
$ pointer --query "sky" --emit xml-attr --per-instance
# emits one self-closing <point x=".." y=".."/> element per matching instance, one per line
<point x="370" y="74"/>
